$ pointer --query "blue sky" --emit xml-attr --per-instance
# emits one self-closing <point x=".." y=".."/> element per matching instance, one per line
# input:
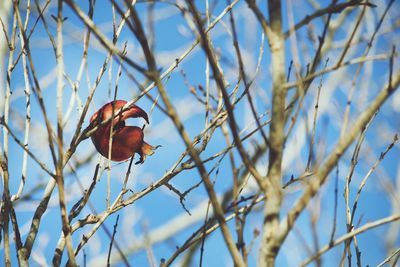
<point x="157" y="209"/>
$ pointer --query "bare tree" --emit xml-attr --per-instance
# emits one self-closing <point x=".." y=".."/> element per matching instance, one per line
<point x="274" y="125"/>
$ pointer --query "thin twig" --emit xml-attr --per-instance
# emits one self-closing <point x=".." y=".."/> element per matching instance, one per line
<point x="394" y="253"/>
<point x="351" y="234"/>
<point x="334" y="221"/>
<point x="332" y="8"/>
<point x="112" y="240"/>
